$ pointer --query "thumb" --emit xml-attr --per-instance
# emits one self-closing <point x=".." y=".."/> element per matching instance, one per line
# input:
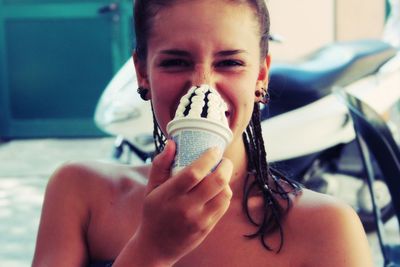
<point x="161" y="166"/>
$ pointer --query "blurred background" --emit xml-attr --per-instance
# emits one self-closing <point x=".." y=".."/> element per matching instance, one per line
<point x="57" y="57"/>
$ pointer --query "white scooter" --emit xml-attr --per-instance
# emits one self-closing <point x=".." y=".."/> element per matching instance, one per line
<point x="307" y="130"/>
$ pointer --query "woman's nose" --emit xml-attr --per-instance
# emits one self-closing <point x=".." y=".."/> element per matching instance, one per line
<point x="202" y="75"/>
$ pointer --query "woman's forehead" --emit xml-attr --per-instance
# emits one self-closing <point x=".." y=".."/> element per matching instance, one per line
<point x="204" y="19"/>
<point x="203" y="11"/>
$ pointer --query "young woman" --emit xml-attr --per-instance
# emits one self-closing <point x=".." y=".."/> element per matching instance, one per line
<point x="240" y="214"/>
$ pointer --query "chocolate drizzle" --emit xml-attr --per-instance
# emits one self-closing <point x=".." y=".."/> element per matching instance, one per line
<point x="204" y="111"/>
<point x="205" y="107"/>
<point x="187" y="109"/>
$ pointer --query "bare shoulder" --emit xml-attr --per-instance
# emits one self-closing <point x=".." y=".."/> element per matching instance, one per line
<point x="91" y="177"/>
<point x="73" y="194"/>
<point x="95" y="186"/>
<point x="331" y="229"/>
<point x="310" y="205"/>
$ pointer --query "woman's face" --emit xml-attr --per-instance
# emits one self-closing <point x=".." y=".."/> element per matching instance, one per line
<point x="205" y="42"/>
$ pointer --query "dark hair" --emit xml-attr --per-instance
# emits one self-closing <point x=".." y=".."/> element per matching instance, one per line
<point x="268" y="181"/>
<point x="263" y="180"/>
<point x="145" y="11"/>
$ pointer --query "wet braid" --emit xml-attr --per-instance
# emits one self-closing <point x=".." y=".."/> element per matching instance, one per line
<point x="266" y="181"/>
<point x="158" y="135"/>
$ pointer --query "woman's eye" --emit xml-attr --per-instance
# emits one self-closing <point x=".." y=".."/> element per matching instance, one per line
<point x="174" y="63"/>
<point x="230" y="63"/>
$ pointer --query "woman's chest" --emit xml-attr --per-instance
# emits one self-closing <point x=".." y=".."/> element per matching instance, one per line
<point x="226" y="245"/>
<point x="111" y="226"/>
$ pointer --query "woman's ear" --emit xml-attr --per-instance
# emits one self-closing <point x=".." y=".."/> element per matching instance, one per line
<point x="264" y="69"/>
<point x="263" y="78"/>
<point x="141" y="73"/>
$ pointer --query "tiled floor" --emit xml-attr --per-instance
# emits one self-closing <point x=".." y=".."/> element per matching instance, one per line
<point x="25" y="166"/>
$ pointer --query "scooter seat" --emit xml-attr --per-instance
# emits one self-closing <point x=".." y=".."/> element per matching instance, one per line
<point x="296" y="84"/>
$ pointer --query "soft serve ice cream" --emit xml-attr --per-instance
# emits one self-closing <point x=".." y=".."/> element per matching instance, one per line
<point x="202" y="102"/>
<point x="200" y="123"/>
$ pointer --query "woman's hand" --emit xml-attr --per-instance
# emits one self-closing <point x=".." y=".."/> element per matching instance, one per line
<point x="180" y="211"/>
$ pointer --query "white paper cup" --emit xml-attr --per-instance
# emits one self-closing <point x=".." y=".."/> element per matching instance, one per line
<point x="193" y="136"/>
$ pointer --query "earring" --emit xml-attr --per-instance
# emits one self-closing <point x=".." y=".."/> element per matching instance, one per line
<point x="142" y="91"/>
<point x="263" y="93"/>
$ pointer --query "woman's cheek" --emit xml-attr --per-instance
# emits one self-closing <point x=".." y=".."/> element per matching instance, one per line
<point x="165" y="103"/>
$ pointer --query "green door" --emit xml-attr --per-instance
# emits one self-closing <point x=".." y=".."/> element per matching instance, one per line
<point x="56" y="58"/>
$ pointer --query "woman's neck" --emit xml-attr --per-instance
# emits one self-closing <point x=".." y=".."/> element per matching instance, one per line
<point x="236" y="152"/>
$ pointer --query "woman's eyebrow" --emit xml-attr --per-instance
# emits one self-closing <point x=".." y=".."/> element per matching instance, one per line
<point x="230" y="52"/>
<point x="179" y="52"/>
<point x="175" y="52"/>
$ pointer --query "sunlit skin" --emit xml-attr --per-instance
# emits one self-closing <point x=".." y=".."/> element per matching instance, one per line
<point x="195" y="218"/>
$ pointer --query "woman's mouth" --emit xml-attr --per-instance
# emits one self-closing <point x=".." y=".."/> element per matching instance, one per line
<point x="229" y="117"/>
